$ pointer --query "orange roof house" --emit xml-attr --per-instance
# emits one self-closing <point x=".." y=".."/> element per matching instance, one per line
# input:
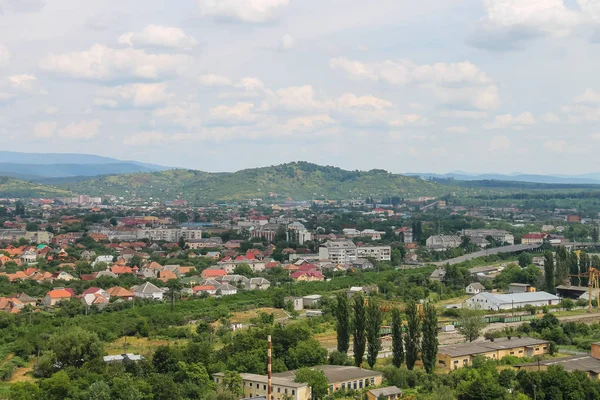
<point x="120" y="292"/>
<point x="166" y="275"/>
<point x="56" y="296"/>
<point x="213" y="273"/>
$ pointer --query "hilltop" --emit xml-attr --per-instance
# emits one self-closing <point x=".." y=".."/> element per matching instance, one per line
<point x="298" y="180"/>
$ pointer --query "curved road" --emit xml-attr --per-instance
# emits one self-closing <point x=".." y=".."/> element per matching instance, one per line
<point x="496" y="250"/>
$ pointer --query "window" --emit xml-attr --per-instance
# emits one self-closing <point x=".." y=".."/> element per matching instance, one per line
<point x="217" y="380"/>
<point x="520" y="351"/>
<point x="512" y="353"/>
<point x="278" y="390"/>
<point x="456" y="362"/>
<point x="372" y="381"/>
<point x="264" y="387"/>
<point x="250" y="384"/>
<point x="330" y="388"/>
<point x="360" y="384"/>
<point x="355" y="385"/>
<point x="343" y="385"/>
<point x="293" y="391"/>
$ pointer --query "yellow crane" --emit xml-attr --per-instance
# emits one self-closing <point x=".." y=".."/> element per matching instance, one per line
<point x="593" y="276"/>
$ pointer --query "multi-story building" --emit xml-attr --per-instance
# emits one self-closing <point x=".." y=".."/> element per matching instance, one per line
<point x="497" y="234"/>
<point x="297" y="233"/>
<point x="379" y="253"/>
<point x="339" y="252"/>
<point x="443" y="242"/>
<point x="169" y="234"/>
<point x="267" y="232"/>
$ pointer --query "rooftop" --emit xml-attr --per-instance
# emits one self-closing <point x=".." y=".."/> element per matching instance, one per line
<point x="574" y="363"/>
<point x="336" y="373"/>
<point x="464" y="349"/>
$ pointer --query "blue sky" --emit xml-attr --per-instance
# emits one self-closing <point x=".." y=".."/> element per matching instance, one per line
<point x="221" y="85"/>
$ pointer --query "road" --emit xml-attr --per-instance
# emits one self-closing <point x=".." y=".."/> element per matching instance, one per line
<point x="496" y="250"/>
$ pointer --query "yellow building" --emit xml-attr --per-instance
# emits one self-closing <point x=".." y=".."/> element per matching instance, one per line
<point x="590" y="364"/>
<point x="388" y="393"/>
<point x="284" y="385"/>
<point x="461" y="355"/>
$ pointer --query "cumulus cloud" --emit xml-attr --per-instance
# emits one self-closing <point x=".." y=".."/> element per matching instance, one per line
<point x="516" y="122"/>
<point x="45" y="129"/>
<point x="254" y="11"/>
<point x="407" y="119"/>
<point x="287" y="42"/>
<point x="499" y="143"/>
<point x="4" y="55"/>
<point x="452" y="83"/>
<point x="102" y="63"/>
<point x="590" y="96"/>
<point x="159" y="36"/>
<point x="308" y="123"/>
<point x="464" y="114"/>
<point x="457" y="129"/>
<point x="22" y="81"/>
<point x="212" y="80"/>
<point x="298" y="98"/>
<point x="231" y="115"/>
<point x="137" y="95"/>
<point x="80" y="130"/>
<point x="187" y="115"/>
<point x="349" y="100"/>
<point x="509" y="23"/>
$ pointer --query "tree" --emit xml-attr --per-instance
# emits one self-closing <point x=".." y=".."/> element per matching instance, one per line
<point x="19" y="208"/>
<point x="429" y="344"/>
<point x="175" y="287"/>
<point x="342" y="316"/>
<point x="74" y="346"/>
<point x="243" y="269"/>
<point x="573" y="262"/>
<point x="166" y="359"/>
<point x="99" y="391"/>
<point x="397" y="346"/>
<point x="374" y="321"/>
<point x="57" y="387"/>
<point x="32" y="227"/>
<point x="232" y="381"/>
<point x="316" y="380"/>
<point x="306" y="353"/>
<point x="24" y="391"/>
<point x="562" y="266"/>
<point x="358" y="328"/>
<point x="525" y="260"/>
<point x="549" y="271"/>
<point x="470" y="324"/>
<point x="181" y="243"/>
<point x="595" y="234"/>
<point x="412" y="338"/>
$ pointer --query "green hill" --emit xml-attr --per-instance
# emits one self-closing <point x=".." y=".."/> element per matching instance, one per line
<point x="299" y="180"/>
<point x="10" y="187"/>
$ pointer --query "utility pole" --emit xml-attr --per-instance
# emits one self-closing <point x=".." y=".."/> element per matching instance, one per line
<point x="269" y="374"/>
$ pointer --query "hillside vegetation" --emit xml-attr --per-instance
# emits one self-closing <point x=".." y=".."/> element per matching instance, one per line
<point x="10" y="187"/>
<point x="300" y="181"/>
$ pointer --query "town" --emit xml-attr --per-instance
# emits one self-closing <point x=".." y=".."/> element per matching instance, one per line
<point x="490" y="282"/>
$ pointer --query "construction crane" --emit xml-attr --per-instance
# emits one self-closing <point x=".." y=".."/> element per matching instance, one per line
<point x="593" y="276"/>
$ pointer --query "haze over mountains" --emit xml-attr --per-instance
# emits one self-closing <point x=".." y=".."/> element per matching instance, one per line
<point x="591" y="178"/>
<point x="42" y="166"/>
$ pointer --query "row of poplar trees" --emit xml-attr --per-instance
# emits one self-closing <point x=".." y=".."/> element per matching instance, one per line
<point x="363" y="321"/>
<point x="558" y="270"/>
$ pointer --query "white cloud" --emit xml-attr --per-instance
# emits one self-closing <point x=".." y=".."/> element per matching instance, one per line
<point x="187" y="115"/>
<point x="407" y="119"/>
<point x="159" y="36"/>
<point x="499" y="143"/>
<point x="4" y="55"/>
<point x="299" y="98"/>
<point x="464" y="114"/>
<point x="306" y="123"/>
<point x="556" y="146"/>
<point x="287" y="42"/>
<point x="138" y="95"/>
<point x="212" y="80"/>
<point x="80" y="130"/>
<point x="240" y="112"/>
<point x="582" y="113"/>
<point x="253" y="11"/>
<point x="103" y="63"/>
<point x="590" y="96"/>
<point x="45" y="129"/>
<point x="6" y="97"/>
<point x="22" y="6"/>
<point x="549" y="117"/>
<point x="349" y="100"/>
<point x="453" y="83"/>
<point x="23" y="81"/>
<point x="51" y="110"/>
<point x="509" y="121"/>
<point x="458" y="129"/>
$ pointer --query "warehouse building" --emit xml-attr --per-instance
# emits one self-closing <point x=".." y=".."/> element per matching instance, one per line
<point x="495" y="302"/>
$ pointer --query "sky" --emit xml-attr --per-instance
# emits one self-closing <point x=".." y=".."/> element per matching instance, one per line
<point x="220" y="85"/>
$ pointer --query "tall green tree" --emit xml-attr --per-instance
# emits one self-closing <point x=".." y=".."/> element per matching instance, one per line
<point x="549" y="271"/>
<point x="573" y="262"/>
<point x="412" y="338"/>
<point x="429" y="343"/>
<point x="584" y="265"/>
<point x="562" y="266"/>
<point x="374" y="321"/>
<point x="358" y="329"/>
<point x="342" y="316"/>
<point x="397" y="345"/>
<point x="595" y="234"/>
<point x="316" y="380"/>
<point x="470" y="324"/>
<point x="525" y="260"/>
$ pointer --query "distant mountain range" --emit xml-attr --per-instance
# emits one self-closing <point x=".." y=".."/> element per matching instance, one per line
<point x="592" y="178"/>
<point x="42" y="166"/>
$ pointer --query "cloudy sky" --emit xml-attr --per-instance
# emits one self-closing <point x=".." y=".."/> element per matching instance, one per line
<point x="221" y="85"/>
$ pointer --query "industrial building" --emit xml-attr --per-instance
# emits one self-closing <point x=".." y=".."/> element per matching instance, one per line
<point x="495" y="302"/>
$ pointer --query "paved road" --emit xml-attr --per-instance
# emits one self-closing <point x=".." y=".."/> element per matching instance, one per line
<point x="496" y="250"/>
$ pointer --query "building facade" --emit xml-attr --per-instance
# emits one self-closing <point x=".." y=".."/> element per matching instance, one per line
<point x="339" y="252"/>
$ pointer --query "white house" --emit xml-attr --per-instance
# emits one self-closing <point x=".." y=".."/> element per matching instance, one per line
<point x="475" y="288"/>
<point x="148" y="291"/>
<point x="104" y="259"/>
<point x="29" y="257"/>
<point x="495" y="302"/>
<point x="226" y="289"/>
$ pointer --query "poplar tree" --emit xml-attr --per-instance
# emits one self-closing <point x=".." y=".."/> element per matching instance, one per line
<point x="374" y="321"/>
<point x="413" y="335"/>
<point x="358" y="327"/>
<point x="397" y="345"/>
<point x="549" y="271"/>
<point x="342" y="315"/>
<point x="429" y="344"/>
